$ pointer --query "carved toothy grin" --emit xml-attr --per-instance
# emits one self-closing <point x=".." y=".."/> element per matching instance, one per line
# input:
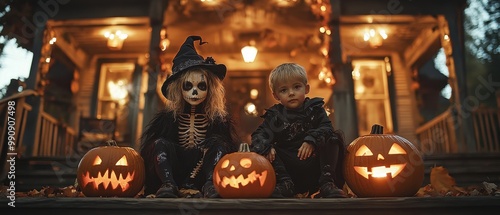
<point x="235" y="182"/>
<point x="380" y="171"/>
<point x="107" y="179"/>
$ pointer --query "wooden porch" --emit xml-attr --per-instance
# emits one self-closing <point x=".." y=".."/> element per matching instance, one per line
<point x="385" y="206"/>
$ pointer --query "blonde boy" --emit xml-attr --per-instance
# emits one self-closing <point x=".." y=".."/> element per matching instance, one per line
<point x="298" y="138"/>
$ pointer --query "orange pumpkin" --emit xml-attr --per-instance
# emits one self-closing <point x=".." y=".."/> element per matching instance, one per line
<point x="379" y="165"/>
<point x="110" y="171"/>
<point x="244" y="174"/>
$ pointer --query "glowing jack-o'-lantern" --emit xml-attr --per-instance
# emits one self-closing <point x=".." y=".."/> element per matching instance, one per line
<point x="111" y="170"/>
<point x="383" y="165"/>
<point x="244" y="174"/>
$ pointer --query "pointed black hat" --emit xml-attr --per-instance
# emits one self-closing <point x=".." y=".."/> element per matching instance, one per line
<point x="187" y="58"/>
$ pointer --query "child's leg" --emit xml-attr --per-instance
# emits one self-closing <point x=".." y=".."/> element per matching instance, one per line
<point x="216" y="148"/>
<point x="165" y="156"/>
<point x="331" y="157"/>
<point x="284" y="184"/>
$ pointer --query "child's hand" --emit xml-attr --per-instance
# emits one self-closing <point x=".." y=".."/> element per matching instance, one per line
<point x="272" y="155"/>
<point x="305" y="151"/>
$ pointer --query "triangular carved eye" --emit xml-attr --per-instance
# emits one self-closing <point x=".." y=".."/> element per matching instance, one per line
<point x="396" y="150"/>
<point x="122" y="161"/>
<point x="364" y="151"/>
<point x="97" y="161"/>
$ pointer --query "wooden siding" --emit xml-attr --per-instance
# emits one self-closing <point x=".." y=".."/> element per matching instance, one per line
<point x="404" y="100"/>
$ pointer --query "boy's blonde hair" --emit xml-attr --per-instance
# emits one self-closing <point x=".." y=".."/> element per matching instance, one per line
<point x="285" y="72"/>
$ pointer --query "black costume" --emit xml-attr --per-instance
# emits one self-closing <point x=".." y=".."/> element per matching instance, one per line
<point x="168" y="162"/>
<point x="285" y="130"/>
<point x="181" y="151"/>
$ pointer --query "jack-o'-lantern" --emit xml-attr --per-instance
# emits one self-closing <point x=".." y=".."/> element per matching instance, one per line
<point x="244" y="174"/>
<point x="110" y="171"/>
<point x="379" y="165"/>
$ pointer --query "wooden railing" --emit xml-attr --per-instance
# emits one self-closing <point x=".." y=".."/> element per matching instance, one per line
<point x="487" y="129"/>
<point x="13" y="114"/>
<point x="54" y="139"/>
<point x="438" y="135"/>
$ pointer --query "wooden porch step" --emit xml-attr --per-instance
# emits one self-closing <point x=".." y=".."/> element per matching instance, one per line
<point x="38" y="172"/>
<point x="466" y="169"/>
<point x="383" y="206"/>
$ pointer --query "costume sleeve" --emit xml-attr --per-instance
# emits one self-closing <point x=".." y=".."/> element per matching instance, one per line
<point x="157" y="128"/>
<point x="263" y="136"/>
<point x="322" y="128"/>
<point x="225" y="131"/>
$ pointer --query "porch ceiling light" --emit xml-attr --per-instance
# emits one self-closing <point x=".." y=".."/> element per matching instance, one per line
<point x="249" y="52"/>
<point x="375" y="37"/>
<point x="115" y="39"/>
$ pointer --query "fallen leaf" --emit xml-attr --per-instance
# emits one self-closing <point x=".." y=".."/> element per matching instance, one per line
<point x="441" y="181"/>
<point x="490" y="187"/>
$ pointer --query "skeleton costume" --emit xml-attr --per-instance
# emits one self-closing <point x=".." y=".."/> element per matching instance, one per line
<point x="182" y="144"/>
<point x="285" y="130"/>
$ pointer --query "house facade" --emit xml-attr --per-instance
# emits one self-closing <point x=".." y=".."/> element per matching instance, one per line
<point x="100" y="64"/>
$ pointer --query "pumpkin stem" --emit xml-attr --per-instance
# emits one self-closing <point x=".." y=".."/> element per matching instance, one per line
<point x="111" y="143"/>
<point x="377" y="129"/>
<point x="244" y="147"/>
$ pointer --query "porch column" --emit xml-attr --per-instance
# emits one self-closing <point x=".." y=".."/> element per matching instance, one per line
<point x="344" y="105"/>
<point x="30" y="136"/>
<point x="452" y="25"/>
<point x="151" y="100"/>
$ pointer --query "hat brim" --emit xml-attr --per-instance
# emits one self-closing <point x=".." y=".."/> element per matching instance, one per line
<point x="218" y="69"/>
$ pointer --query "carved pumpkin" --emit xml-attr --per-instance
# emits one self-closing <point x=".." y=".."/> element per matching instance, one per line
<point x="110" y="171"/>
<point x="379" y="165"/>
<point x="244" y="174"/>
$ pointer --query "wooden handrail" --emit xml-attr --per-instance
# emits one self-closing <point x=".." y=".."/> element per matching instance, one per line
<point x="24" y="93"/>
<point x="438" y="135"/>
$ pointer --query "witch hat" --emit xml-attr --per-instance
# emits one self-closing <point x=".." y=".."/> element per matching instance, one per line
<point x="187" y="58"/>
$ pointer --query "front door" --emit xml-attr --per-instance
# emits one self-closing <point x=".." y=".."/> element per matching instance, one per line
<point x="115" y="86"/>
<point x="372" y="95"/>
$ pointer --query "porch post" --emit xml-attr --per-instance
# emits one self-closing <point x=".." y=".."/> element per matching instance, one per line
<point x="30" y="136"/>
<point x="452" y="25"/>
<point x="151" y="100"/>
<point x="344" y="105"/>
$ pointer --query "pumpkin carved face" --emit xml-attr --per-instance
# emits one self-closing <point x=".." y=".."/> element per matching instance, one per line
<point x="111" y="171"/>
<point x="244" y="174"/>
<point x="383" y="165"/>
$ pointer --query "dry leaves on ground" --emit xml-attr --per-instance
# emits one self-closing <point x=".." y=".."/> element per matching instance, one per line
<point x="69" y="191"/>
<point x="442" y="184"/>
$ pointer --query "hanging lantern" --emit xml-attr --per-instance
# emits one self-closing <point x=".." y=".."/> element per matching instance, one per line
<point x="249" y="52"/>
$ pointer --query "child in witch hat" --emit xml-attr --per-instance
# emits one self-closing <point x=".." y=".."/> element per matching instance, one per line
<point x="182" y="144"/>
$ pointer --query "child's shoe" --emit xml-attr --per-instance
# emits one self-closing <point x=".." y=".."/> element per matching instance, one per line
<point x="329" y="190"/>
<point x="284" y="189"/>
<point x="167" y="190"/>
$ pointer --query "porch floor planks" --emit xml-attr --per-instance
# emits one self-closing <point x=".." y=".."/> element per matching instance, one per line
<point x="385" y="206"/>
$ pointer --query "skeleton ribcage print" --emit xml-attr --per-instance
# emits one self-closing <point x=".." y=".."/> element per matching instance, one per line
<point x="192" y="129"/>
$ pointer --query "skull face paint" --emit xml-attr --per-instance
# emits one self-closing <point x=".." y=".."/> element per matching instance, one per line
<point x="194" y="88"/>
